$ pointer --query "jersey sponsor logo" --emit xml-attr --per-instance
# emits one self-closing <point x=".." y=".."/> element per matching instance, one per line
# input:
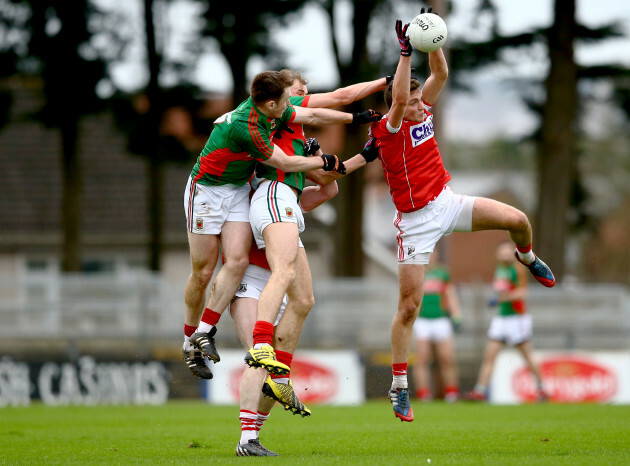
<point x="421" y="132"/>
<point x="568" y="379"/>
<point x="198" y="223"/>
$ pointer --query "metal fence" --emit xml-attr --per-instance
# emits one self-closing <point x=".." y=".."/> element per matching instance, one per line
<point x="349" y="313"/>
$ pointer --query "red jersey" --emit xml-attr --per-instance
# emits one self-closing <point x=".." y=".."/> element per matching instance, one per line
<point x="412" y="163"/>
<point x="258" y="257"/>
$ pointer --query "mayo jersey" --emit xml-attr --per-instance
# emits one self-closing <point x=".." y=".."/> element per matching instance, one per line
<point x="238" y="139"/>
<point x="434" y="299"/>
<point x="291" y="144"/>
<point x="412" y="163"/>
<point x="506" y="279"/>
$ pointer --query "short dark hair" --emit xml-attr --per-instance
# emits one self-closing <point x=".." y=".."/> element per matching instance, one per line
<point x="413" y="85"/>
<point x="269" y="85"/>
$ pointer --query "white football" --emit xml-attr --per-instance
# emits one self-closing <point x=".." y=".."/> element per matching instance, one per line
<point x="427" y="32"/>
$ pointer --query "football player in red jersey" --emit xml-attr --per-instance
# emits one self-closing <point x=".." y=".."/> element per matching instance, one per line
<point x="427" y="209"/>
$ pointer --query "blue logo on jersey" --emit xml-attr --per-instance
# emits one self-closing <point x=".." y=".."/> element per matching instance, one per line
<point x="422" y="131"/>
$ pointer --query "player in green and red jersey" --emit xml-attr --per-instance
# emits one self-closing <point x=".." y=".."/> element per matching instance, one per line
<point x="216" y="202"/>
<point x="440" y="314"/>
<point x="277" y="221"/>
<point x="511" y="326"/>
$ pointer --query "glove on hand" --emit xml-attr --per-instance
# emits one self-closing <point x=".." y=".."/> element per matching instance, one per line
<point x="369" y="116"/>
<point x="311" y="145"/>
<point x="332" y="163"/>
<point x="403" y="39"/>
<point x="370" y="151"/>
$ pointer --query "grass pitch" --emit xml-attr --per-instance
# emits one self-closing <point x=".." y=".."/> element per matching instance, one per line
<point x="198" y="433"/>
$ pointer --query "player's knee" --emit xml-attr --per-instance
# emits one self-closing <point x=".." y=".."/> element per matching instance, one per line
<point x="408" y="311"/>
<point x="520" y="222"/>
<point x="237" y="264"/>
<point x="305" y="303"/>
<point x="202" y="274"/>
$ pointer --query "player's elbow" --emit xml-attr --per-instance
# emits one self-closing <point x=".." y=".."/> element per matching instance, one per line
<point x="441" y="73"/>
<point x="343" y="97"/>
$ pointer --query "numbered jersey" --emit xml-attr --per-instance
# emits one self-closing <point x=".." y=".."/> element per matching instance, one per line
<point x="238" y="140"/>
<point x="412" y="163"/>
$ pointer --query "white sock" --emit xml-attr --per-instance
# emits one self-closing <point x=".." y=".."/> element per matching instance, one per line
<point x="399" y="381"/>
<point x="260" y="345"/>
<point x="187" y="345"/>
<point x="284" y="380"/>
<point x="204" y="327"/>
<point x="527" y="257"/>
<point x="247" y="435"/>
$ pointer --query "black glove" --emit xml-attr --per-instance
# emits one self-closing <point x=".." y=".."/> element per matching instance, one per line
<point x="311" y="145"/>
<point x="368" y="116"/>
<point x="332" y="163"/>
<point x="403" y="40"/>
<point x="282" y="127"/>
<point x="370" y="151"/>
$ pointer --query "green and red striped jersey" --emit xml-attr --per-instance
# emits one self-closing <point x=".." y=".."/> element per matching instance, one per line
<point x="434" y="299"/>
<point x="291" y="144"/>
<point x="238" y="140"/>
<point x="506" y="279"/>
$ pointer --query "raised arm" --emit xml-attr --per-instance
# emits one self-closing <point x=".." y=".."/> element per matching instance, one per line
<point x="347" y="95"/>
<point x="400" y="89"/>
<point x="436" y="80"/>
<point x="326" y="116"/>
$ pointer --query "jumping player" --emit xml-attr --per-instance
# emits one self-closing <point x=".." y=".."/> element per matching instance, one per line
<point x="277" y="221"/>
<point x="427" y="208"/>
<point x="216" y="202"/>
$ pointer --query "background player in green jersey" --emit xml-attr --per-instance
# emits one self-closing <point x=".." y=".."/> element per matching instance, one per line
<point x="216" y="201"/>
<point x="440" y="314"/>
<point x="511" y="326"/>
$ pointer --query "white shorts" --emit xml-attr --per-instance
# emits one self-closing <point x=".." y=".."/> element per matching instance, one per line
<point x="209" y="207"/>
<point x="432" y="329"/>
<point x="511" y="330"/>
<point x="271" y="203"/>
<point x="419" y="231"/>
<point x="254" y="280"/>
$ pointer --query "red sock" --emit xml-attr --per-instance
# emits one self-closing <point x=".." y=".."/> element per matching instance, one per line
<point x="189" y="330"/>
<point x="423" y="393"/>
<point x="248" y="420"/>
<point x="261" y="418"/>
<point x="451" y="389"/>
<point x="210" y="317"/>
<point x="284" y="358"/>
<point x="399" y="368"/>
<point x="263" y="332"/>
<point x="524" y="249"/>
